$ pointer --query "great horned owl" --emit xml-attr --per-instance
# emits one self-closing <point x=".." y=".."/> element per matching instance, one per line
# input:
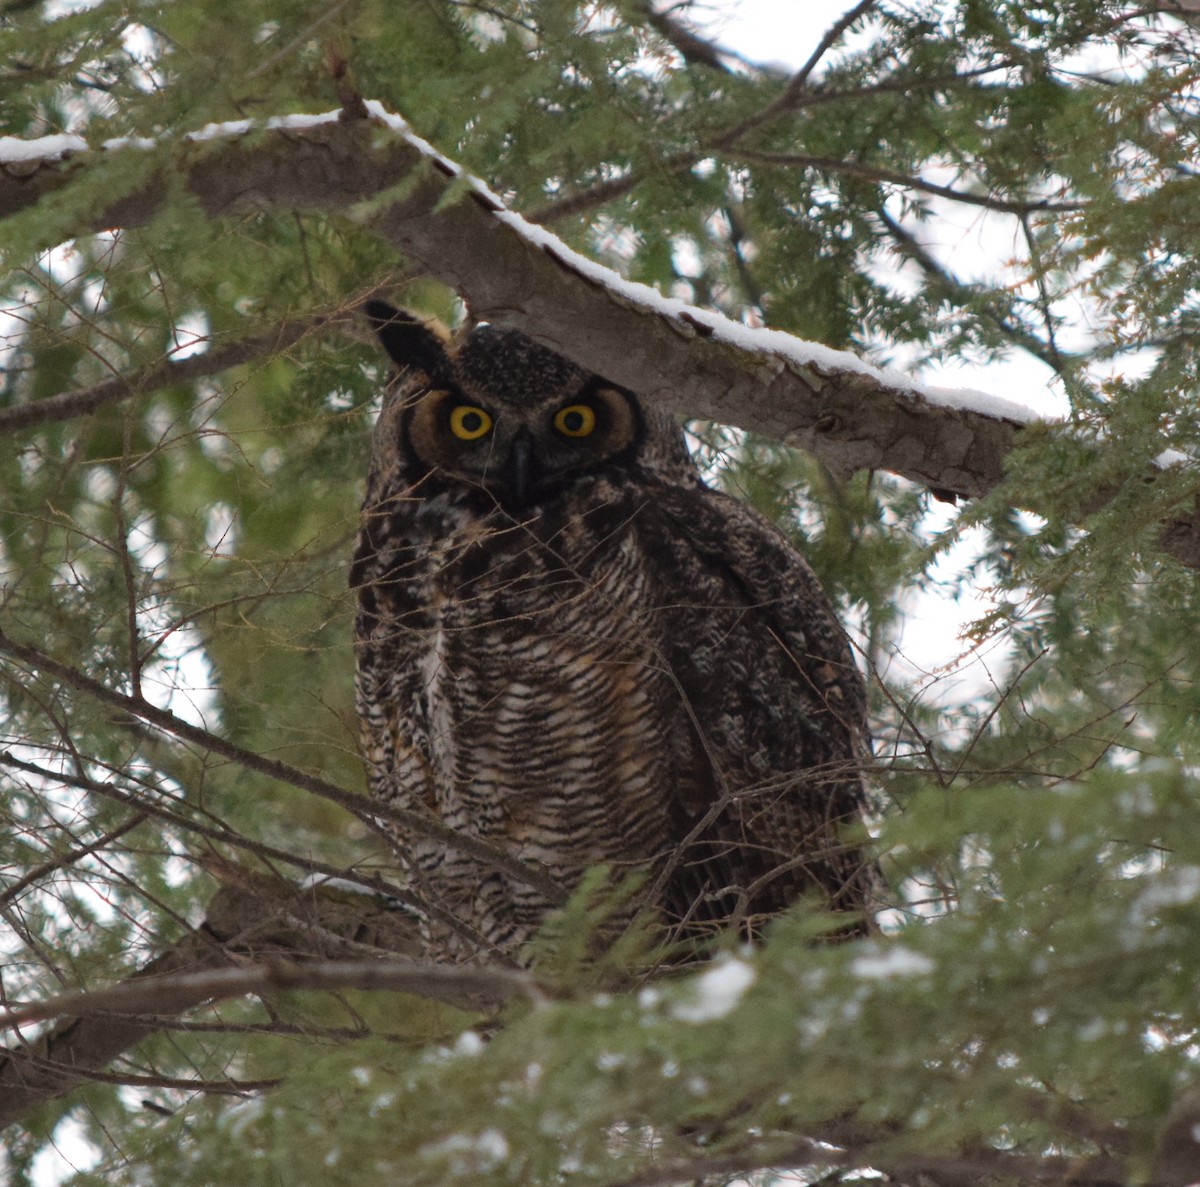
<point x="570" y="647"/>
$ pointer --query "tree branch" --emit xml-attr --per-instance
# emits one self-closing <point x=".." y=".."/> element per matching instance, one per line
<point x="225" y="836"/>
<point x="906" y="181"/>
<point x="797" y="85"/>
<point x="911" y="248"/>
<point x="12" y="892"/>
<point x="828" y="1149"/>
<point x="161" y="993"/>
<point x="293" y="937"/>
<point x="66" y="405"/>
<point x="692" y="48"/>
<point x="368" y="811"/>
<point x="850" y="415"/>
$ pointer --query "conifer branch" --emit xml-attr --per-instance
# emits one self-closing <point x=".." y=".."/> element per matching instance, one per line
<point x="261" y="935"/>
<point x="172" y="993"/>
<point x="67" y="405"/>
<point x="365" y="810"/>
<point x="848" y="414"/>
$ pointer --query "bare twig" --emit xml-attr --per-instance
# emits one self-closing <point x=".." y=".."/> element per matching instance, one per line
<point x="797" y="84"/>
<point x="171" y="994"/>
<point x="69" y="858"/>
<point x="911" y="248"/>
<point x="580" y="201"/>
<point x="67" y="405"/>
<point x="832" y="36"/>
<point x="836" y="165"/>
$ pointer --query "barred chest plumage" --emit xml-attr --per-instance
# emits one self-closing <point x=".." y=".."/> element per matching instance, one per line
<point x="521" y="654"/>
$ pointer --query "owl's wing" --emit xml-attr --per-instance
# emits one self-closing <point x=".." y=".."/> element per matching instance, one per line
<point x="773" y="715"/>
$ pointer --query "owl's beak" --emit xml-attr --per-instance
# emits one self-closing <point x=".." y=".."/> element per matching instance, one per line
<point x="519" y="468"/>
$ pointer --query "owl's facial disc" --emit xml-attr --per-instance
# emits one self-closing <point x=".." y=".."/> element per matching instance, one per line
<point x="521" y="453"/>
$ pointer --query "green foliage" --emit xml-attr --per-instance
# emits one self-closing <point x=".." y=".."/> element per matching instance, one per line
<point x="1036" y="994"/>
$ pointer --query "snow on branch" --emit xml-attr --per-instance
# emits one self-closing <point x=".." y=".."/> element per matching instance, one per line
<point x="375" y="169"/>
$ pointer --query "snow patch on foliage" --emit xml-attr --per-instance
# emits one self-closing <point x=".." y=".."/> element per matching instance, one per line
<point x="14" y="150"/>
<point x="1173" y="888"/>
<point x="716" y="992"/>
<point x="895" y="962"/>
<point x="468" y="1154"/>
<point x="469" y="1043"/>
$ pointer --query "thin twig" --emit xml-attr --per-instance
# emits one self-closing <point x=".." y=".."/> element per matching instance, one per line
<point x="67" y="405"/>
<point x="224" y="836"/>
<point x="790" y="95"/>
<point x="71" y="857"/>
<point x="837" y="165"/>
<point x="832" y="36"/>
<point x="910" y="247"/>
<point x="368" y="811"/>
<point x="216" y="1087"/>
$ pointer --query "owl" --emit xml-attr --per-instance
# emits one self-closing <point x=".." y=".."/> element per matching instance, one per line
<point x="572" y="649"/>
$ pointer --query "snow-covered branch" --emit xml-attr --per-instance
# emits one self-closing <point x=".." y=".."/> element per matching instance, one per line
<point x="852" y="415"/>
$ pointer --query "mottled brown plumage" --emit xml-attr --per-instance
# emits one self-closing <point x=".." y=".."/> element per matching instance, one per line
<point x="572" y="648"/>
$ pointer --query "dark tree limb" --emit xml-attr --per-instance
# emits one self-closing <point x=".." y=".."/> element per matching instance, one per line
<point x="789" y="98"/>
<point x="907" y="181"/>
<point x="262" y="935"/>
<point x="164" y="993"/>
<point x="694" y="49"/>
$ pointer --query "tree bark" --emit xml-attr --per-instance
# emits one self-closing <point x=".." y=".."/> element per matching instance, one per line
<point x="850" y="415"/>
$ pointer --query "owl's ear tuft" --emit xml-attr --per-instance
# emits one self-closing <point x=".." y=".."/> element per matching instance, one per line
<point x="407" y="340"/>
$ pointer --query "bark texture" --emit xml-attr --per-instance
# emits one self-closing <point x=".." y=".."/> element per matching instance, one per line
<point x="362" y="168"/>
<point x="452" y="230"/>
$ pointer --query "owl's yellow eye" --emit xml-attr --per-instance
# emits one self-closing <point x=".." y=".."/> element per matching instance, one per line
<point x="469" y="423"/>
<point x="575" y="420"/>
